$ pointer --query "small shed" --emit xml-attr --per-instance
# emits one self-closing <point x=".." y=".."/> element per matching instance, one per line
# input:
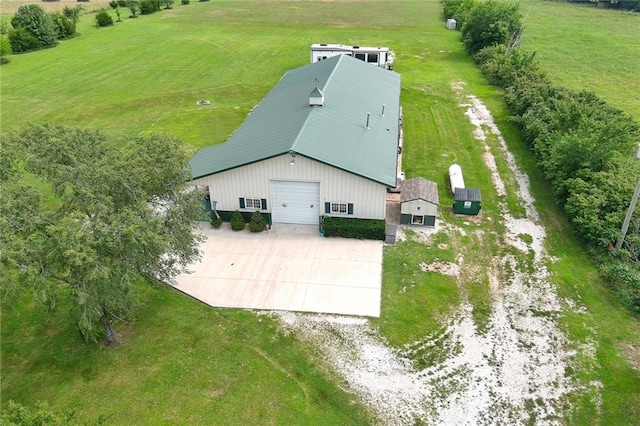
<point x="451" y="24"/>
<point x="467" y="201"/>
<point x="419" y="202"/>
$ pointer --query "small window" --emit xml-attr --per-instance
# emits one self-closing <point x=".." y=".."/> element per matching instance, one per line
<point x="417" y="220"/>
<point x="372" y="58"/>
<point x="361" y="56"/>
<point x="339" y="208"/>
<point x="253" y="203"/>
<point x="467" y="204"/>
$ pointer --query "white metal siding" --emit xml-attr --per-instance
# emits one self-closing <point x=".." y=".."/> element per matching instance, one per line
<point x="425" y="208"/>
<point x="338" y="186"/>
<point x="295" y="202"/>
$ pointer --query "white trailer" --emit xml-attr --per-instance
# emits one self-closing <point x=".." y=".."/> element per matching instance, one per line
<point x="455" y="177"/>
<point x="379" y="56"/>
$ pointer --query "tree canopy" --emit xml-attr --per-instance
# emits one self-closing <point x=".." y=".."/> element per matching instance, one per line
<point x="491" y="23"/>
<point x="98" y="221"/>
<point x="37" y="23"/>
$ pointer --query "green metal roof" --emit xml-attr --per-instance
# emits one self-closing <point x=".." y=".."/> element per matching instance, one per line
<point x="335" y="133"/>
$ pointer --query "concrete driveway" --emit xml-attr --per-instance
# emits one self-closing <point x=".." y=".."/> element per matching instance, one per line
<point x="288" y="268"/>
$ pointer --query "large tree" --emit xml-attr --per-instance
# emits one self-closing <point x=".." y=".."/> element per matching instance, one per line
<point x="491" y="23"/>
<point x="99" y="220"/>
<point x="37" y="23"/>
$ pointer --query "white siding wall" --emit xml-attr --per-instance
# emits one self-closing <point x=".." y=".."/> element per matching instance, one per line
<point x="426" y="208"/>
<point x="252" y="181"/>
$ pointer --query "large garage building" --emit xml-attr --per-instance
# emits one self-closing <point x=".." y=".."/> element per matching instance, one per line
<point x="324" y="141"/>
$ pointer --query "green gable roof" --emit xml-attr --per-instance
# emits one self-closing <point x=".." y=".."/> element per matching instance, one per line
<point x="334" y="134"/>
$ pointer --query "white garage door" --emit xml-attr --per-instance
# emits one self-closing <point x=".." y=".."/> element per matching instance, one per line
<point x="295" y="202"/>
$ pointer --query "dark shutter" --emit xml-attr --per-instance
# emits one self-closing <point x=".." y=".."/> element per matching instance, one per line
<point x="327" y="208"/>
<point x="263" y="202"/>
<point x="350" y="208"/>
<point x="242" y="203"/>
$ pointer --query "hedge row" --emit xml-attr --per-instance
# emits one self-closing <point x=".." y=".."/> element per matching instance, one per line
<point x="584" y="147"/>
<point x="364" y="229"/>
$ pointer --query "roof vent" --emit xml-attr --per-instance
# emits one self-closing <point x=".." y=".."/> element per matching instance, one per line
<point x="316" y="97"/>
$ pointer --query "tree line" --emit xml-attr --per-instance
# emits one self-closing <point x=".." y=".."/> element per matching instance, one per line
<point x="32" y="29"/>
<point x="585" y="148"/>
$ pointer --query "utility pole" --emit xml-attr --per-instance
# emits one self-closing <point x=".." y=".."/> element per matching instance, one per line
<point x="627" y="219"/>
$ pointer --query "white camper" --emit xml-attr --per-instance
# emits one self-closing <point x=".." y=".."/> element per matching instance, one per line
<point x="379" y="56"/>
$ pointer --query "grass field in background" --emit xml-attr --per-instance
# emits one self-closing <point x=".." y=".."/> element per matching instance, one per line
<point x="582" y="47"/>
<point x="182" y="361"/>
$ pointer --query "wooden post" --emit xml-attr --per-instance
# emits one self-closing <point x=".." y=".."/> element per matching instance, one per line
<point x="627" y="219"/>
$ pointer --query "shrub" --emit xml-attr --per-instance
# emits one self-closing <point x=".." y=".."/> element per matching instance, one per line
<point x="65" y="27"/>
<point x="216" y="222"/>
<point x="103" y="19"/>
<point x="147" y="7"/>
<point x="624" y="280"/>
<point x="503" y="65"/>
<point x="364" y="229"/>
<point x="21" y="40"/>
<point x="237" y="221"/>
<point x="458" y="10"/>
<point x="34" y="19"/>
<point x="73" y="13"/>
<point x="185" y="1"/>
<point x="491" y="23"/>
<point x="134" y="7"/>
<point x="5" y="49"/>
<point x="40" y="414"/>
<point x="257" y="222"/>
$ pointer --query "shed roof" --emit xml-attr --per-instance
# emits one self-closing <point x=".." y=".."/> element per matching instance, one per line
<point x="335" y="133"/>
<point x="420" y="189"/>
<point x="467" y="194"/>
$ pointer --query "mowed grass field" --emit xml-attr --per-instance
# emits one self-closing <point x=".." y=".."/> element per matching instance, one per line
<point x="182" y="362"/>
<point x="583" y="47"/>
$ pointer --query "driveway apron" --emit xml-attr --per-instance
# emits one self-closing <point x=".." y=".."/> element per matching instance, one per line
<point x="288" y="268"/>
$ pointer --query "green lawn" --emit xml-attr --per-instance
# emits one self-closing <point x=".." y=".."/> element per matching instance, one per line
<point x="583" y="47"/>
<point x="182" y="362"/>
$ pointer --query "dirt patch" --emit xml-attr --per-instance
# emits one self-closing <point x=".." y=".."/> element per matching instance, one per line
<point x="446" y="268"/>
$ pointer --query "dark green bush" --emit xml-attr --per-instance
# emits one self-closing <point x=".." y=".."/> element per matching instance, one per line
<point x="491" y="23"/>
<point x="458" y="10"/>
<point x="503" y="66"/>
<point x="21" y="40"/>
<point x="103" y="19"/>
<point x="35" y="20"/>
<point x="363" y="229"/>
<point x="237" y="221"/>
<point x="216" y="222"/>
<point x="185" y="1"/>
<point x="147" y="7"/>
<point x="257" y="222"/>
<point x="65" y="27"/>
